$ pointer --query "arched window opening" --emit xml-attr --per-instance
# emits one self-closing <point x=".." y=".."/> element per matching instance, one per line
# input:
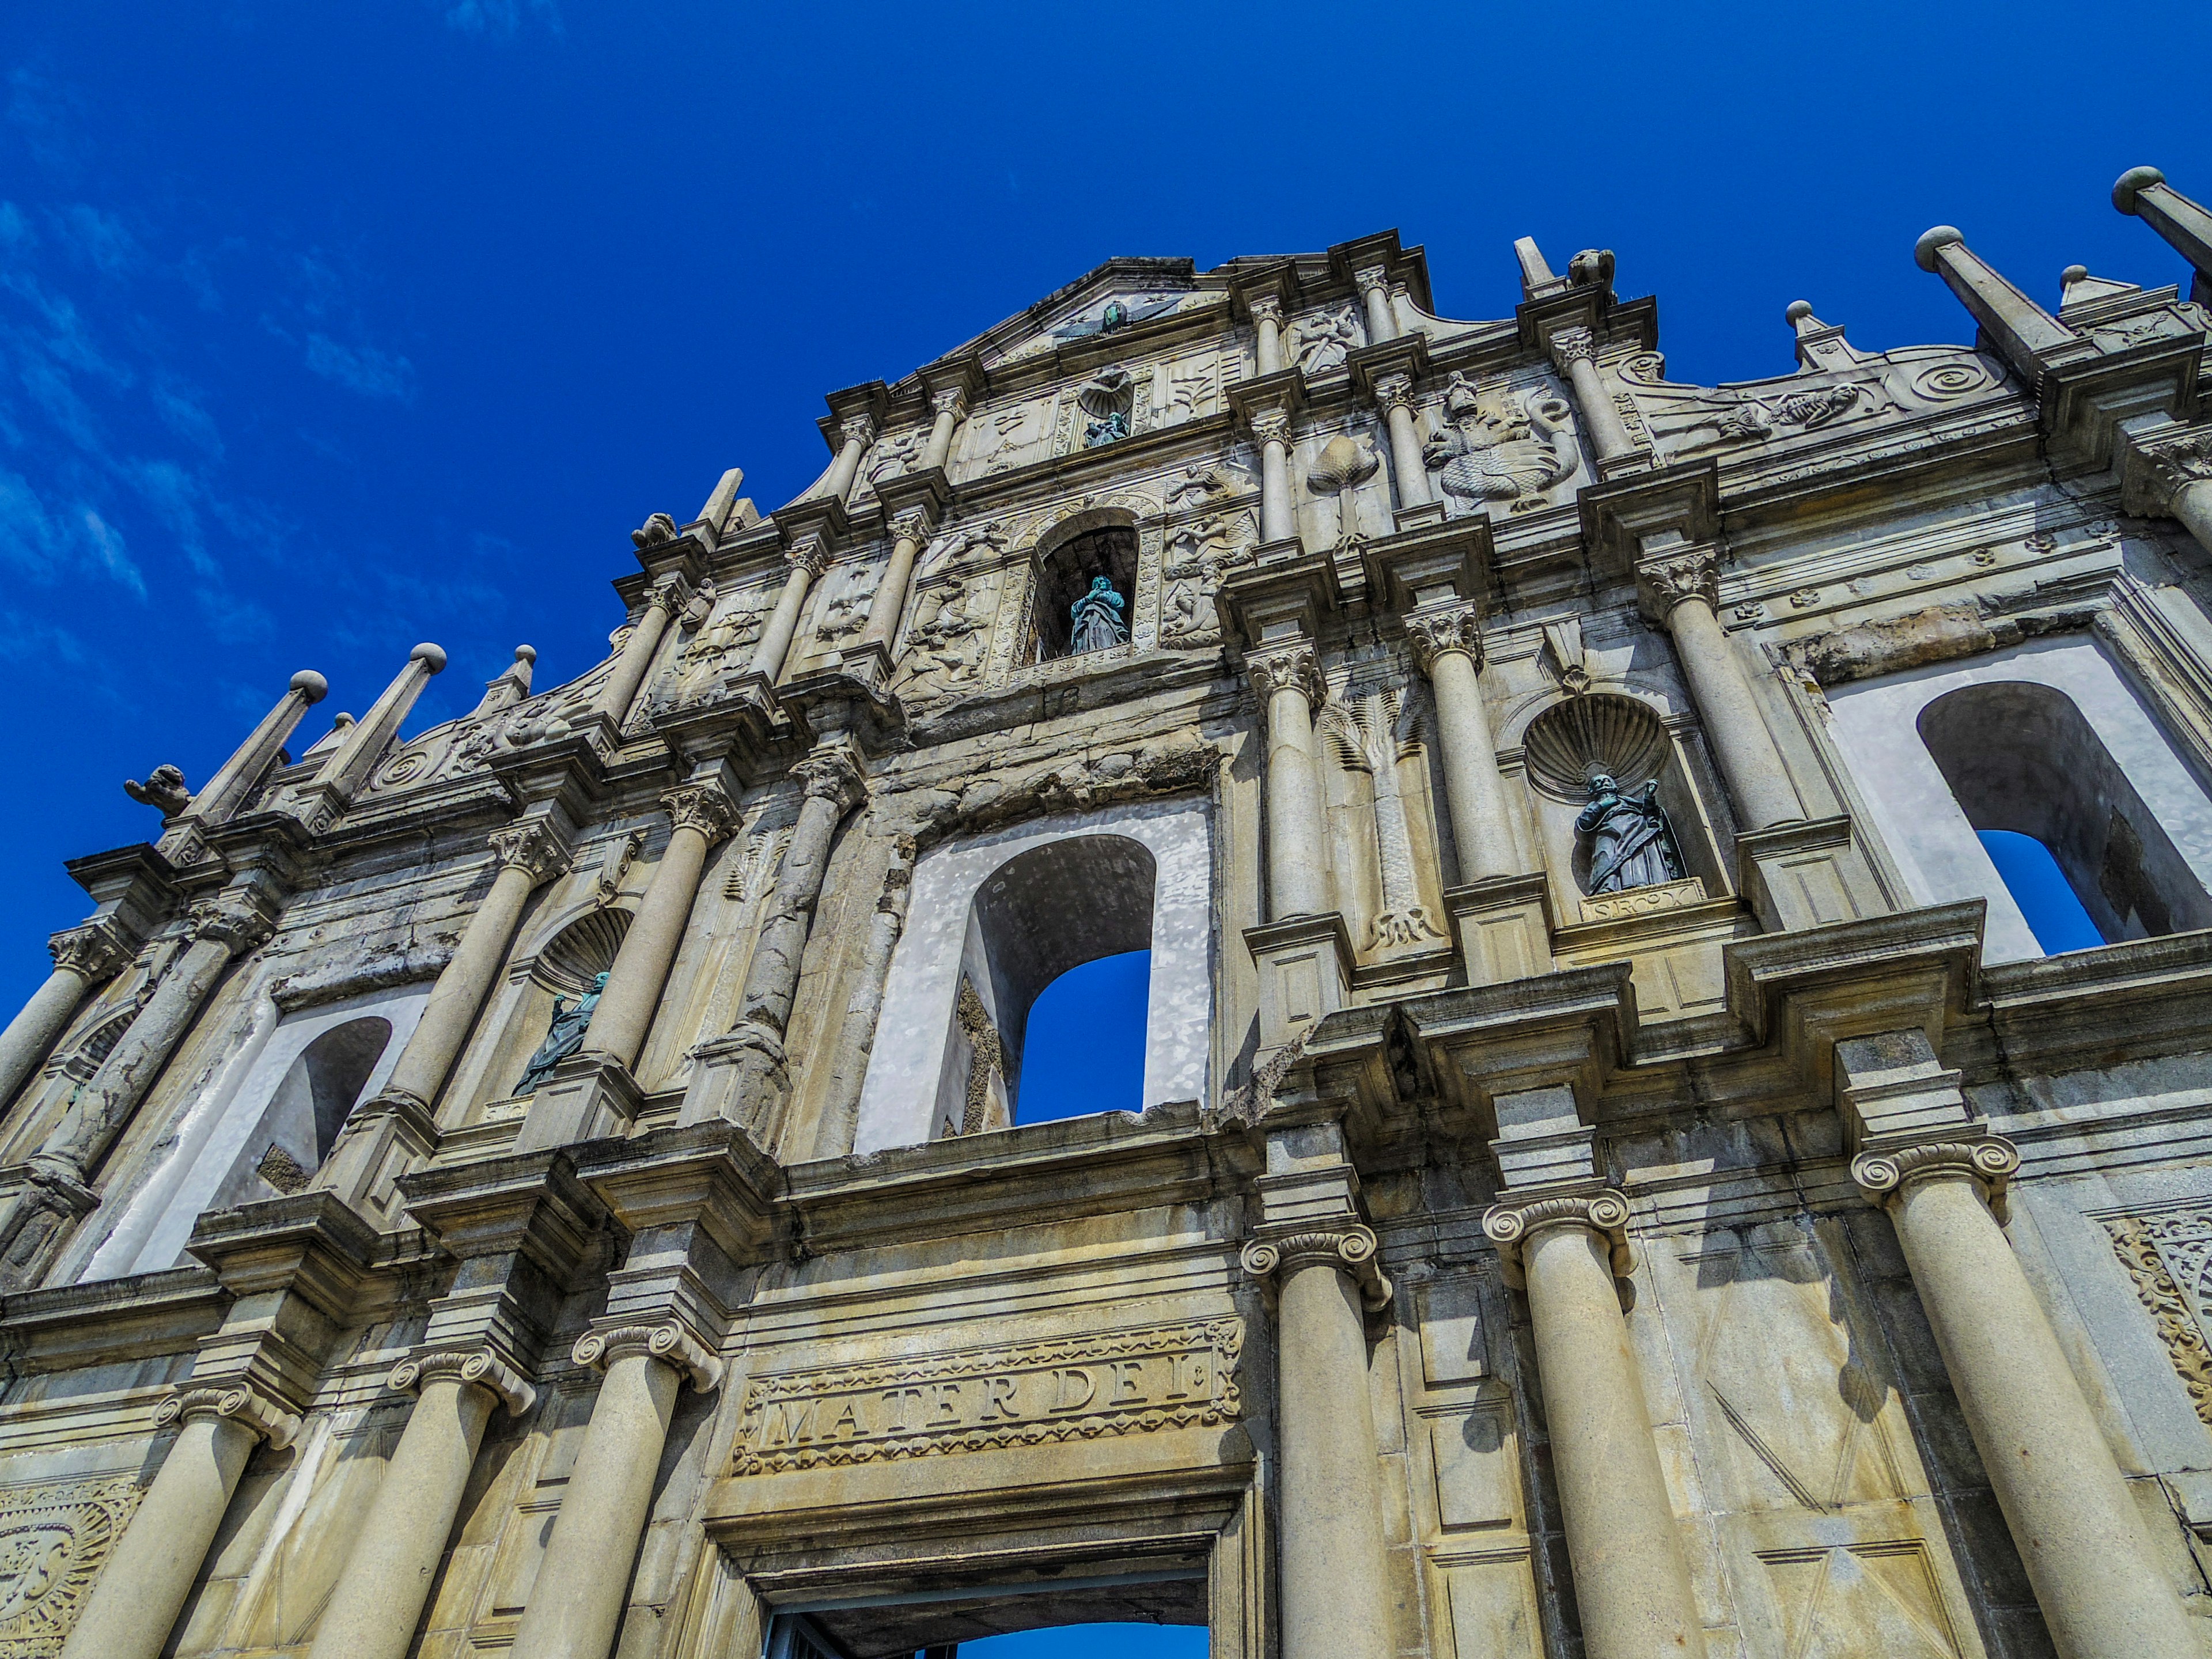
<point x="1039" y="916"/>
<point x="1085" y="1049"/>
<point x="2039" y="887"/>
<point x="1095" y="572"/>
<point x="2021" y="757"/>
<point x="312" y="1101"/>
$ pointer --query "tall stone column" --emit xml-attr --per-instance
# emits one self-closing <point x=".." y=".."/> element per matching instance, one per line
<point x="2175" y="479"/>
<point x="857" y="433"/>
<point x="856" y="1038"/>
<point x="1278" y="519"/>
<point x="637" y="654"/>
<point x="757" y="1079"/>
<point x="2080" y="1535"/>
<point x="1288" y="679"/>
<point x="1682" y="588"/>
<point x="702" y="813"/>
<point x="84" y="956"/>
<point x="576" y="1609"/>
<point x="251" y="759"/>
<point x="1374" y="292"/>
<point x="136" y="1599"/>
<point x="1447" y="642"/>
<point x="910" y="529"/>
<point x="527" y="854"/>
<point x="1632" y="1578"/>
<point x="1574" y="353"/>
<point x="808" y="557"/>
<point x="1267" y="332"/>
<point x="947" y="409"/>
<point x="1335" y="1581"/>
<point x="379" y="1595"/>
<point x="1394" y="392"/>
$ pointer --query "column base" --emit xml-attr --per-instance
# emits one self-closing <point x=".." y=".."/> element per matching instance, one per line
<point x="1812" y="873"/>
<point x="740" y="1077"/>
<point x="1503" y="927"/>
<point x="585" y="1098"/>
<point x="1306" y="971"/>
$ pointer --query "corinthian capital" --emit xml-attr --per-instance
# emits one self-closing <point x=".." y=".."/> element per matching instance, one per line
<point x="1393" y="390"/>
<point x="1350" y="1249"/>
<point x="809" y="553"/>
<point x="1667" y="581"/>
<point x="1514" y="1220"/>
<point x="236" y="1402"/>
<point x="232" y="921"/>
<point x="953" y="401"/>
<point x="1286" y="668"/>
<point x="94" y="951"/>
<point x="829" y="773"/>
<point x="1572" y="346"/>
<point x="910" y="525"/>
<point x="1271" y="426"/>
<point x="1990" y="1160"/>
<point x="1372" y="279"/>
<point x="857" y="429"/>
<point x="1267" y="308"/>
<point x="672" y="1342"/>
<point x="1432" y="630"/>
<point x="531" y="848"/>
<point x="703" y="807"/>
<point x="2176" y="464"/>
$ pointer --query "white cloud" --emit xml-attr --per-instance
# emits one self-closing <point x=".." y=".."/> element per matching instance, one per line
<point x="501" y="17"/>
<point x="364" y="369"/>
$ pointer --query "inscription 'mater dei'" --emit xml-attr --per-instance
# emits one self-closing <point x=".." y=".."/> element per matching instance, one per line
<point x="1124" y="1381"/>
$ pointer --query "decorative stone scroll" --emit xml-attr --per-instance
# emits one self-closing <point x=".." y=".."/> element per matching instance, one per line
<point x="2169" y="1257"/>
<point x="54" y="1541"/>
<point x="1027" y="1393"/>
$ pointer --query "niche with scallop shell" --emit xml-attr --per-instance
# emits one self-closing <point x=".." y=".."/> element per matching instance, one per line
<point x="1622" y="737"/>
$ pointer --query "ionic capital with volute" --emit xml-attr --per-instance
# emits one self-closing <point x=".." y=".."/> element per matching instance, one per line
<point x="481" y="1368"/>
<point x="1515" y="1219"/>
<point x="530" y="848"/>
<point x="1432" y="630"/>
<point x="1990" y="1160"/>
<point x="671" y="1341"/>
<point x="831" y="773"/>
<point x="1669" y="580"/>
<point x="1351" y="1250"/>
<point x="93" y="951"/>
<point x="239" y="1402"/>
<point x="705" y="807"/>
<point x="1286" y="667"/>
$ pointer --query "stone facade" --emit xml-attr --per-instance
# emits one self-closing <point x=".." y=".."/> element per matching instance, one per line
<point x="1774" y="1255"/>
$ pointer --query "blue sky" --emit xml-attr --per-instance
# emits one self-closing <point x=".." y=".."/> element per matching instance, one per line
<point x="326" y="330"/>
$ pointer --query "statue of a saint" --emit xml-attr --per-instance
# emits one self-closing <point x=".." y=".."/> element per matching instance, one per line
<point x="563" y="1038"/>
<point x="1630" y="842"/>
<point x="1110" y="427"/>
<point x="1097" y="616"/>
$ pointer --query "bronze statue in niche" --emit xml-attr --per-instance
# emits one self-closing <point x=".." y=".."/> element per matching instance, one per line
<point x="1630" y="842"/>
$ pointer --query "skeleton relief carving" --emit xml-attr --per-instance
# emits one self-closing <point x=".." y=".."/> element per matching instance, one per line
<point x="1372" y="736"/>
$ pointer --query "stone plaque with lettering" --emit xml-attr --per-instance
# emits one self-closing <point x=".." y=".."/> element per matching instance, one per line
<point x="1023" y="1393"/>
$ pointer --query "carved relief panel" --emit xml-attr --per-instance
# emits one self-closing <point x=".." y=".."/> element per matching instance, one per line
<point x="2168" y="1255"/>
<point x="54" y="1539"/>
<point x="1504" y="446"/>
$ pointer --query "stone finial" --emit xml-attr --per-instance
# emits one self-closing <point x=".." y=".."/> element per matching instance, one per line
<point x="2030" y="339"/>
<point x="2186" y="224"/>
<point x="312" y="686"/>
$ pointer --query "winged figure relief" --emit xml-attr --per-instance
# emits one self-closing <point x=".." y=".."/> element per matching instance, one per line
<point x="1511" y="448"/>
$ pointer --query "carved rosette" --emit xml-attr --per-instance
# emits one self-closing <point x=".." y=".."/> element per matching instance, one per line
<point x="95" y="951"/>
<point x="1511" y="1222"/>
<point x="1669" y="581"/>
<point x="234" y="922"/>
<point x="829" y="773"/>
<point x="531" y="848"/>
<point x="1433" y="630"/>
<point x="1572" y="346"/>
<point x="703" y="808"/>
<point x="670" y="1342"/>
<point x="1990" y="1161"/>
<point x="237" y="1402"/>
<point x="485" y="1370"/>
<point x="1351" y="1250"/>
<point x="1286" y="668"/>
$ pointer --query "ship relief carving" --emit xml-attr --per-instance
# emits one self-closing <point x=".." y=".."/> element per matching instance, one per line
<point x="54" y="1541"/>
<point x="1029" y="1394"/>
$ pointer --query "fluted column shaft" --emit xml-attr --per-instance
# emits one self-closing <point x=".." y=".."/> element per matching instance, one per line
<point x="1447" y="642"/>
<point x="637" y="658"/>
<point x="1335" y="1582"/>
<point x="807" y="559"/>
<point x="378" y="1600"/>
<point x="889" y="605"/>
<point x="2080" y="1535"/>
<point x="1683" y="589"/>
<point x="1289" y="680"/>
<point x="140" y="1593"/>
<point x="702" y="815"/>
<point x="576" y="1608"/>
<point x="83" y="957"/>
<point x="1632" y="1575"/>
<point x="527" y="854"/>
<point x="215" y="803"/>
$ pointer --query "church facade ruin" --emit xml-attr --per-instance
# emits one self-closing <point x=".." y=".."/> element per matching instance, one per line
<point x="1618" y="1173"/>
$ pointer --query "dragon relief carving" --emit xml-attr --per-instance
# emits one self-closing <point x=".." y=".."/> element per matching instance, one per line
<point x="1501" y="446"/>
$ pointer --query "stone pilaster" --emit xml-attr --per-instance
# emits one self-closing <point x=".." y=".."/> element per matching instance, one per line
<point x="856" y="1036"/>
